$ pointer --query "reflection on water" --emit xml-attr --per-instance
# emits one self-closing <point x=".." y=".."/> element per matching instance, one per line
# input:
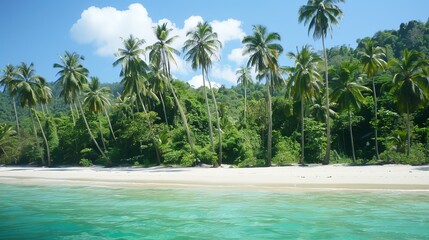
<point x="64" y="212"/>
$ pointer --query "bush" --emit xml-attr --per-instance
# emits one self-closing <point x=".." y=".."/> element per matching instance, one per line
<point x="84" y="162"/>
<point x="252" y="162"/>
<point x="188" y="160"/>
<point x="286" y="152"/>
<point x="417" y="156"/>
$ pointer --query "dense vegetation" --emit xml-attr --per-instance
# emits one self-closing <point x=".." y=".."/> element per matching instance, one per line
<point x="377" y="95"/>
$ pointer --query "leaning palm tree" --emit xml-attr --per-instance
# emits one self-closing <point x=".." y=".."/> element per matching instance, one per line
<point x="410" y="85"/>
<point x="28" y="87"/>
<point x="6" y="81"/>
<point x="200" y="48"/>
<point x="245" y="79"/>
<point x="264" y="52"/>
<point x="304" y="81"/>
<point x="161" y="55"/>
<point x="320" y="15"/>
<point x="372" y="59"/>
<point x="72" y="76"/>
<point x="96" y="99"/>
<point x="347" y="93"/>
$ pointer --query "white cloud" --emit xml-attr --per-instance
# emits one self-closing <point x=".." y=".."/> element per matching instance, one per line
<point x="228" y="30"/>
<point x="224" y="73"/>
<point x="104" y="27"/>
<point x="236" y="56"/>
<point x="197" y="81"/>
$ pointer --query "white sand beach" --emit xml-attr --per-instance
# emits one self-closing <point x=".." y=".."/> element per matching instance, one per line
<point x="290" y="178"/>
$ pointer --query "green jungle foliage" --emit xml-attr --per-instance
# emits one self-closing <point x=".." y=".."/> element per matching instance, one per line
<point x="141" y="123"/>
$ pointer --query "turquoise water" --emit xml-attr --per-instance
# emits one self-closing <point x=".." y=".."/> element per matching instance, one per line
<point x="64" y="212"/>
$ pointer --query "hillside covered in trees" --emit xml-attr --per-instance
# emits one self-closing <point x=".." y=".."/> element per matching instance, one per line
<point x="378" y="106"/>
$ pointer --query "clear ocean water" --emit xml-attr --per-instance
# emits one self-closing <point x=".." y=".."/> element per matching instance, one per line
<point x="71" y="212"/>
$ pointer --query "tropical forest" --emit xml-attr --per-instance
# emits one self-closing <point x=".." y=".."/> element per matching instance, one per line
<point x="363" y="105"/>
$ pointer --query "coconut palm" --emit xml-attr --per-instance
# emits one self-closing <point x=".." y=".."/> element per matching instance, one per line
<point x="200" y="49"/>
<point x="6" y="81"/>
<point x="264" y="52"/>
<point x="372" y="60"/>
<point x="347" y="93"/>
<point x="28" y="89"/>
<point x="245" y="79"/>
<point x="134" y="69"/>
<point x="72" y="77"/>
<point x="410" y="85"/>
<point x="161" y="55"/>
<point x="45" y="96"/>
<point x="96" y="99"/>
<point x="134" y="73"/>
<point x="304" y="81"/>
<point x="320" y="15"/>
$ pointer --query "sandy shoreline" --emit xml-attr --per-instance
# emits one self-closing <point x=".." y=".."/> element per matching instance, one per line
<point x="291" y="178"/>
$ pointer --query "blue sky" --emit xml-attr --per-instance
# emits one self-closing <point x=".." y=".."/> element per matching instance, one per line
<point x="40" y="31"/>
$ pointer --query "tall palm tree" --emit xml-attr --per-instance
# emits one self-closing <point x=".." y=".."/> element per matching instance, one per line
<point x="45" y="96"/>
<point x="410" y="85"/>
<point x="320" y="15"/>
<point x="304" y="81"/>
<point x="6" y="81"/>
<point x="96" y="99"/>
<point x="347" y="93"/>
<point x="162" y="55"/>
<point x="72" y="76"/>
<point x="200" y="49"/>
<point x="134" y="69"/>
<point x="264" y="52"/>
<point x="134" y="73"/>
<point x="28" y="87"/>
<point x="245" y="79"/>
<point x="372" y="60"/>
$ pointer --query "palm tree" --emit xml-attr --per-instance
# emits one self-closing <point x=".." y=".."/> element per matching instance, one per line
<point x="347" y="93"/>
<point x="200" y="48"/>
<point x="28" y="87"/>
<point x="9" y="85"/>
<point x="45" y="96"/>
<point x="162" y="56"/>
<point x="410" y="85"/>
<point x="72" y="76"/>
<point x="245" y="79"/>
<point x="372" y="59"/>
<point x="320" y="15"/>
<point x="134" y="76"/>
<point x="264" y="58"/>
<point x="134" y="69"/>
<point x="96" y="98"/>
<point x="304" y="81"/>
<point x="6" y="133"/>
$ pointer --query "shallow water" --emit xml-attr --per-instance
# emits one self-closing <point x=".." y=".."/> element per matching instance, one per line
<point x="70" y="212"/>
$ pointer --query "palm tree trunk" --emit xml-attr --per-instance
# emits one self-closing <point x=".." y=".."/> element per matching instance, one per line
<point x="375" y="120"/>
<point x="408" y="131"/>
<point x="44" y="139"/>
<point x="351" y="137"/>
<point x="101" y="132"/>
<point x="72" y="114"/>
<point x="245" y="105"/>
<point x="217" y="123"/>
<point x="155" y="144"/>
<point x="328" y="124"/>
<point x="270" y="124"/>
<point x="163" y="108"/>
<point x="110" y="124"/>
<point x="302" y="132"/>
<point x="89" y="131"/>
<point x="183" y="116"/>
<point x="208" y="112"/>
<point x="16" y="115"/>
<point x="37" y="139"/>
<point x="77" y="110"/>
